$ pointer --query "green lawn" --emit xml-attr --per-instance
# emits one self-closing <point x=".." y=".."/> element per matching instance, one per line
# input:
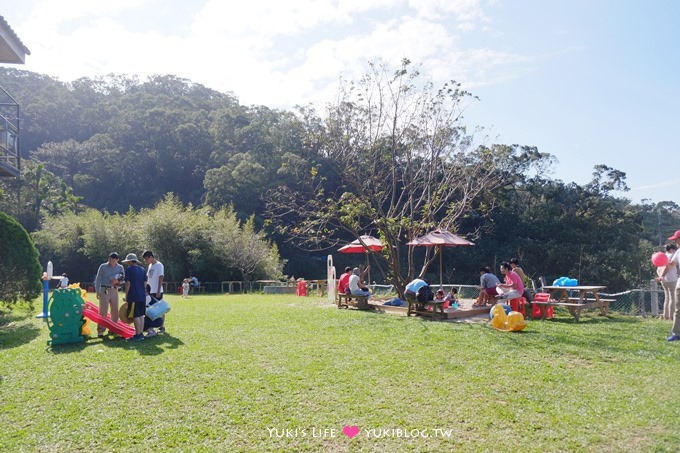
<point x="284" y="373"/>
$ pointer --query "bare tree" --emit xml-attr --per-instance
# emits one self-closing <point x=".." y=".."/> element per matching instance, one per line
<point x="391" y="158"/>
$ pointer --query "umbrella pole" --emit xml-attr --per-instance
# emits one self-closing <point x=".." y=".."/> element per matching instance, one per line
<point x="441" y="269"/>
<point x="368" y="270"/>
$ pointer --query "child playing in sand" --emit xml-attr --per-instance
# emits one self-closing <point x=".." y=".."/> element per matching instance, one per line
<point x="448" y="299"/>
<point x="452" y="299"/>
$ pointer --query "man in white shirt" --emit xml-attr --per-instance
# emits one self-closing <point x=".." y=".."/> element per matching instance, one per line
<point x="154" y="274"/>
<point x="354" y="284"/>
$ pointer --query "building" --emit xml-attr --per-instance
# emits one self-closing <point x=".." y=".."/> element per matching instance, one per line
<point x="12" y="51"/>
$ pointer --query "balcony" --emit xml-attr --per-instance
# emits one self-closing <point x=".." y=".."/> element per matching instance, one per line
<point x="12" y="51"/>
<point x="10" y="163"/>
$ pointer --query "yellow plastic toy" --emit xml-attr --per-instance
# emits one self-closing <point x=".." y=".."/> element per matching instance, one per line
<point x="512" y="322"/>
<point x="85" y="329"/>
<point x="83" y="293"/>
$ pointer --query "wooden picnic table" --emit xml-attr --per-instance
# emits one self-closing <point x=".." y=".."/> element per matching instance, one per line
<point x="588" y="297"/>
<point x="431" y="308"/>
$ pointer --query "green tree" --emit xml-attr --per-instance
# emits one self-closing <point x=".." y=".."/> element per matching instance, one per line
<point x="37" y="193"/>
<point x="243" y="248"/>
<point x="20" y="268"/>
<point x="392" y="158"/>
<point x="558" y="229"/>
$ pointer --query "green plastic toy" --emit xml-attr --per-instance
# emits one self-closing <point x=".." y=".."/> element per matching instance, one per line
<point x="66" y="319"/>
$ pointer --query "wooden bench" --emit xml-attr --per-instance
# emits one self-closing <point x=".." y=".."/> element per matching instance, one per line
<point x="347" y="300"/>
<point x="574" y="306"/>
<point x="421" y="308"/>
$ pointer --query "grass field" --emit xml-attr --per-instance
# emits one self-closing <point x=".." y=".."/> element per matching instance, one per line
<point x="284" y="373"/>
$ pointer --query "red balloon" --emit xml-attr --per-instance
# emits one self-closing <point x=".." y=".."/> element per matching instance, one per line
<point x="659" y="259"/>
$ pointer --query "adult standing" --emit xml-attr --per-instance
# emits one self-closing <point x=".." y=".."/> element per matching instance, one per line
<point x="109" y="276"/>
<point x="63" y="282"/>
<point x="675" y="261"/>
<point x="668" y="277"/>
<point x="155" y="274"/>
<point x="135" y="294"/>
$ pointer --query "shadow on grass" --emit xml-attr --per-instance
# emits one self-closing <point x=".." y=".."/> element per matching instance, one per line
<point x="15" y="332"/>
<point x="610" y="337"/>
<point x="150" y="346"/>
<point x="595" y="319"/>
<point x="157" y="345"/>
<point x="66" y="348"/>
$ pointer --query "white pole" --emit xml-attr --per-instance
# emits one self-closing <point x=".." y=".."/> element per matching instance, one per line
<point x="330" y="274"/>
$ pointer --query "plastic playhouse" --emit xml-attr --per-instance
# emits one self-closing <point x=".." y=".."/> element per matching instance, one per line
<point x="69" y="313"/>
<point x="66" y="321"/>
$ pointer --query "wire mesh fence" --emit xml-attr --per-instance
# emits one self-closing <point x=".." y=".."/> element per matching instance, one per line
<point x="641" y="301"/>
<point x="645" y="301"/>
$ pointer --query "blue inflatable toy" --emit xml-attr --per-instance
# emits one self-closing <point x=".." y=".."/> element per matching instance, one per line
<point x="565" y="281"/>
<point x="505" y="307"/>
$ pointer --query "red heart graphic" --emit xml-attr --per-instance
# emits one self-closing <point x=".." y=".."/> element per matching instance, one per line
<point x="350" y="431"/>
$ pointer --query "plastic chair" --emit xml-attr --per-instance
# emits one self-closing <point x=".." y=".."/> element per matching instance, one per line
<point x="536" y="311"/>
<point x="301" y="289"/>
<point x="519" y="304"/>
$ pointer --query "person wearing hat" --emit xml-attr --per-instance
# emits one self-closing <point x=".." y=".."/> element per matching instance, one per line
<point x="674" y="262"/>
<point x="135" y="294"/>
<point x="109" y="277"/>
<point x="354" y="284"/>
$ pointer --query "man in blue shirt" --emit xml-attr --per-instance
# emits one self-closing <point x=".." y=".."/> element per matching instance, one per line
<point x="412" y="289"/>
<point x="135" y="294"/>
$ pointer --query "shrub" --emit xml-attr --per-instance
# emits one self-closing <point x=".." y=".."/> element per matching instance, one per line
<point x="20" y="268"/>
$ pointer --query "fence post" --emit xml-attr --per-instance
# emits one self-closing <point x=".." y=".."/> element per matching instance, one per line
<point x="643" y="312"/>
<point x="654" y="286"/>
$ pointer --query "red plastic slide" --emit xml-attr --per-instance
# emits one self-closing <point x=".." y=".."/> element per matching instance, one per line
<point x="91" y="312"/>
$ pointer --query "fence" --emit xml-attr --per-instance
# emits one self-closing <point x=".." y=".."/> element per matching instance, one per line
<point x="641" y="301"/>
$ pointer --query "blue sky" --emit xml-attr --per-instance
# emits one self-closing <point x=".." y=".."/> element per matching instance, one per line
<point x="591" y="82"/>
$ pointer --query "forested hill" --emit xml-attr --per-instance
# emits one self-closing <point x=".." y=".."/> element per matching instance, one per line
<point x="120" y="142"/>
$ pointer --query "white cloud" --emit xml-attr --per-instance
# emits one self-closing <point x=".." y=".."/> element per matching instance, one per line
<point x="264" y="18"/>
<point x="268" y="52"/>
<point x="469" y="14"/>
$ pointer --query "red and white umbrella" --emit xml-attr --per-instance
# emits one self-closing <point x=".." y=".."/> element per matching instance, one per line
<point x="364" y="244"/>
<point x="440" y="238"/>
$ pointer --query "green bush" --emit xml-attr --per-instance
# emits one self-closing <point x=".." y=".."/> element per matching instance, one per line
<point x="20" y="268"/>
